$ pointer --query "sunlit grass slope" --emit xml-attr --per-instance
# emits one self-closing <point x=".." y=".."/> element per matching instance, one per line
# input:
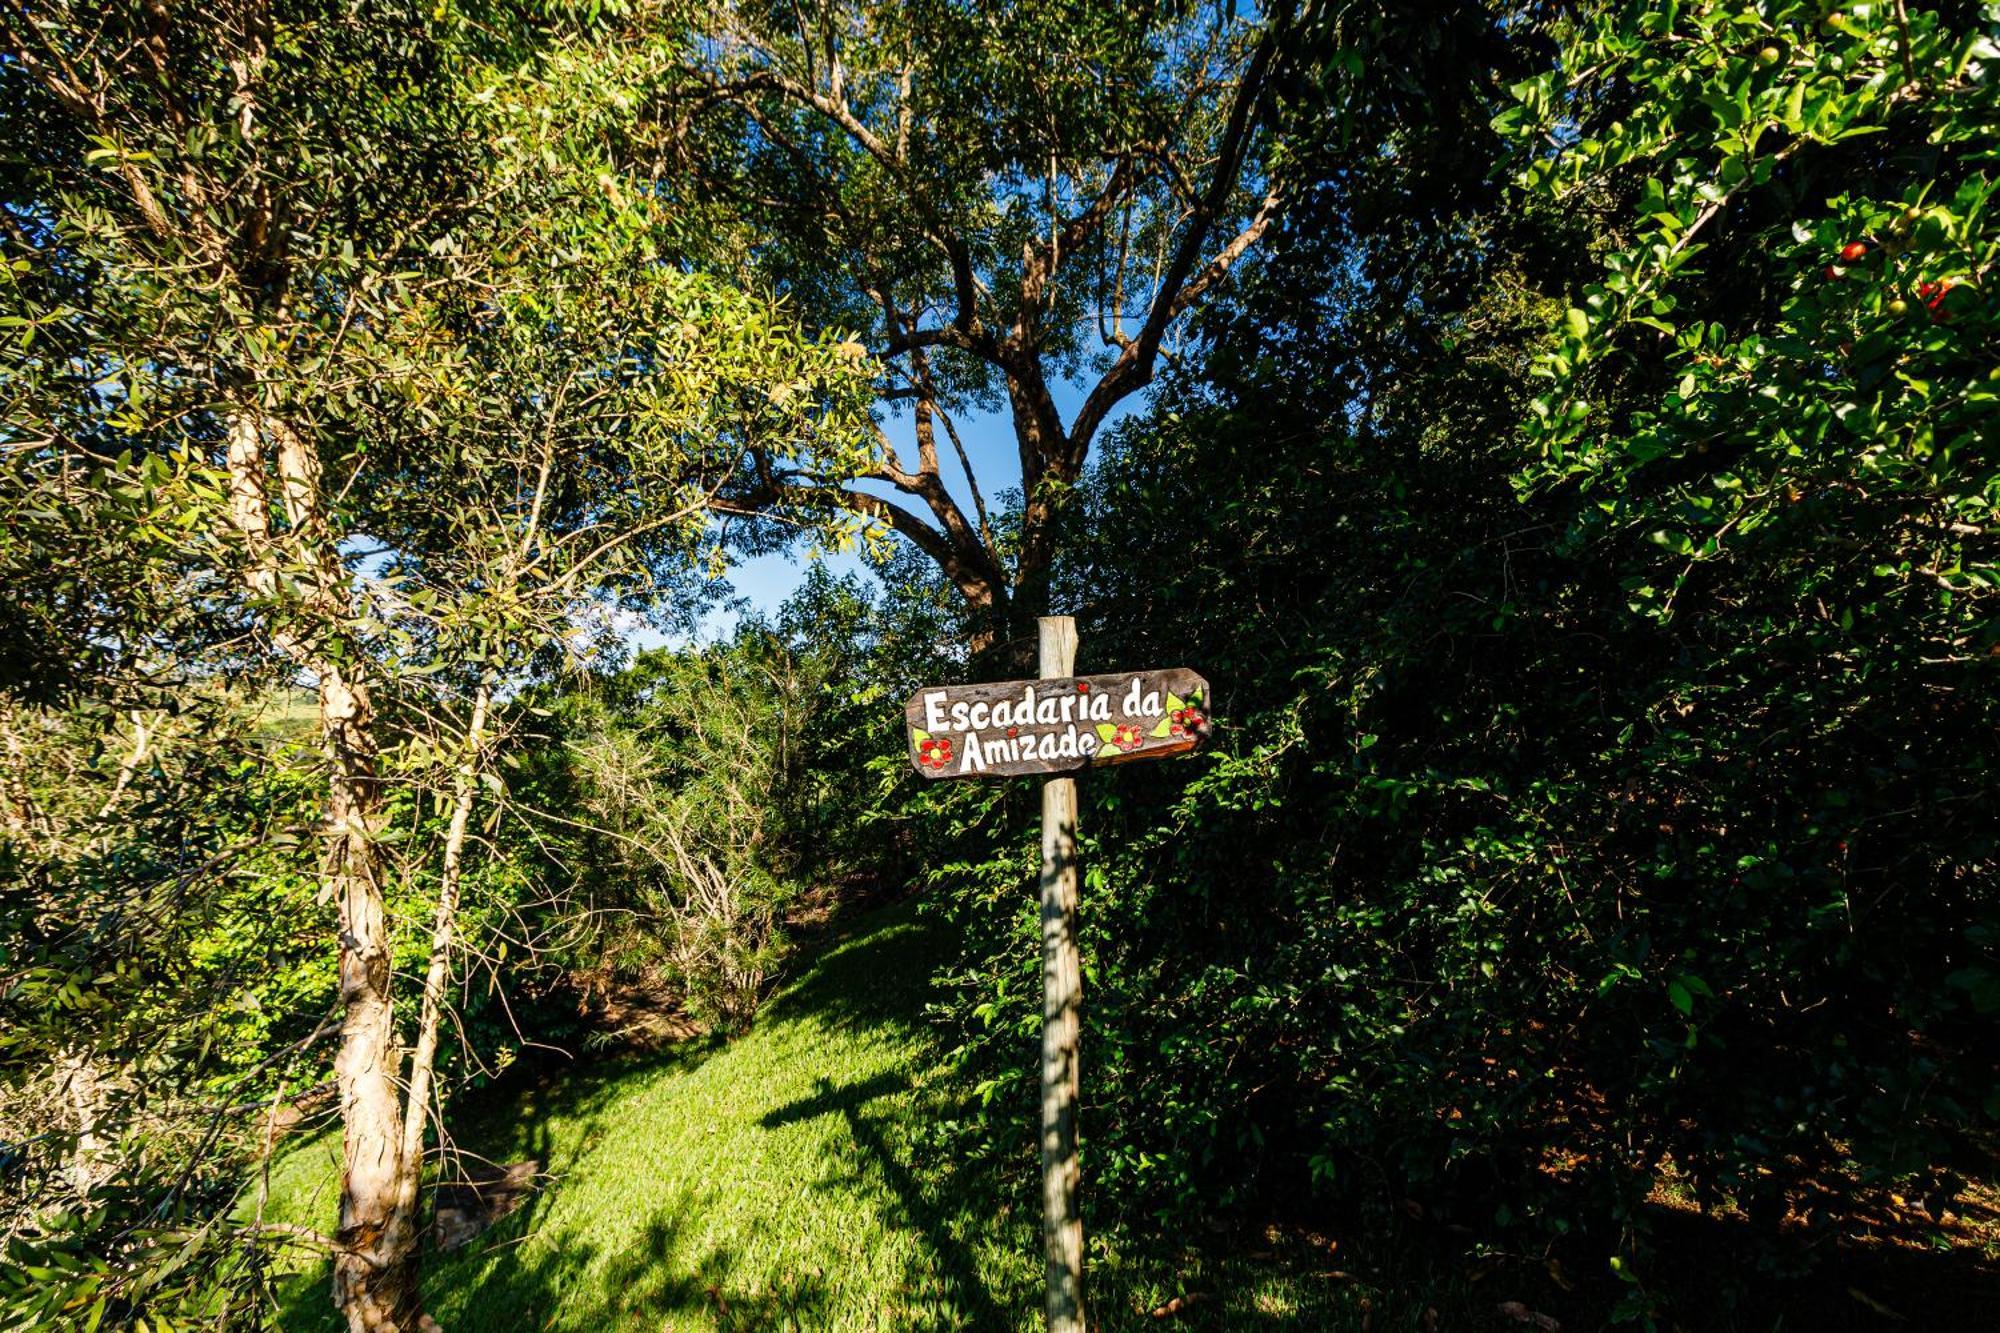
<point x="783" y="1181"/>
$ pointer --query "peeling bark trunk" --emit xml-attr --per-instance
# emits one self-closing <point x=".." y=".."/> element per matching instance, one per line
<point x="375" y="1261"/>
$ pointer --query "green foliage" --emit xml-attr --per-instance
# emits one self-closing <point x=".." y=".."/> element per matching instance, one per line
<point x="1821" y="355"/>
<point x="331" y="333"/>
<point x="156" y="971"/>
<point x="155" y="1246"/>
<point x="996" y="199"/>
<point x="1602" y="794"/>
<point x="1585" y="510"/>
<point x="724" y="794"/>
<point x="691" y="768"/>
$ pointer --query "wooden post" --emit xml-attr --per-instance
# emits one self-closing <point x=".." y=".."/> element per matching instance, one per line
<point x="1062" y="994"/>
<point x="1020" y="729"/>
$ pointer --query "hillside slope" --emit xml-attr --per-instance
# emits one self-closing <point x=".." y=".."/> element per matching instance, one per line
<point x="788" y="1179"/>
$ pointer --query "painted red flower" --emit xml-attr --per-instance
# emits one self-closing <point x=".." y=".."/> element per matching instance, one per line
<point x="934" y="752"/>
<point x="1127" y="737"/>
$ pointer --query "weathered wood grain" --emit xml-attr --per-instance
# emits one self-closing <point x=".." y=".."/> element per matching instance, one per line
<point x="1062" y="1020"/>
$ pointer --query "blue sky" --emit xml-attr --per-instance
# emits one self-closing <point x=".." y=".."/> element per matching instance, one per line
<point x="989" y="441"/>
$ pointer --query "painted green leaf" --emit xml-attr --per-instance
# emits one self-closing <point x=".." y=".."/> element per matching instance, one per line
<point x="1105" y="731"/>
<point x="1166" y="726"/>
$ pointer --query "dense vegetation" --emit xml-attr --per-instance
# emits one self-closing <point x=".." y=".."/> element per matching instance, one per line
<point x="1565" y="437"/>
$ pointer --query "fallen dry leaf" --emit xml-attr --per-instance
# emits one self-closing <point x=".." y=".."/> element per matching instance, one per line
<point x="1521" y="1314"/>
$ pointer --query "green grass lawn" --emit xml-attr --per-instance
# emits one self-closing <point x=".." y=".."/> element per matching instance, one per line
<point x="783" y="1181"/>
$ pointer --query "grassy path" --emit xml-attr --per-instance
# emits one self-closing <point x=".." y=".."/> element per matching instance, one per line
<point x="780" y="1181"/>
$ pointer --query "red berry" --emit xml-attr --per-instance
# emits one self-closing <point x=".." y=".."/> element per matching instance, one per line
<point x="1933" y="294"/>
<point x="1852" y="251"/>
<point x="1832" y="273"/>
<point x="1013" y="731"/>
<point x="1083" y="687"/>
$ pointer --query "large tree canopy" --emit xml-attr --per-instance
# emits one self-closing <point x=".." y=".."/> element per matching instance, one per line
<point x="1001" y="200"/>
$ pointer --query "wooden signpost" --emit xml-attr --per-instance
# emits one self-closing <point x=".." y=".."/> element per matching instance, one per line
<point x="1053" y="727"/>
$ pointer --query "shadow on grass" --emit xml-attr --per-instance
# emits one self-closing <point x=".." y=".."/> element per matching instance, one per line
<point x="925" y="1210"/>
<point x="664" y="1277"/>
<point x="515" y="1284"/>
<point x="874" y="979"/>
<point x="492" y="1284"/>
<point x="528" y="1271"/>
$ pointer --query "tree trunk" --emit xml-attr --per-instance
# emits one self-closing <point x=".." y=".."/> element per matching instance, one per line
<point x="444" y="934"/>
<point x="989" y="619"/>
<point x="375" y="1263"/>
<point x="86" y="1103"/>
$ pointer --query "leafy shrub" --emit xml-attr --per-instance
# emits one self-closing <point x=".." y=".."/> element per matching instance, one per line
<point x="1605" y="786"/>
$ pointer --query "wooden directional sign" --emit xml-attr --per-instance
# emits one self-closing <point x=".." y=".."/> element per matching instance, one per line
<point x="1023" y="727"/>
